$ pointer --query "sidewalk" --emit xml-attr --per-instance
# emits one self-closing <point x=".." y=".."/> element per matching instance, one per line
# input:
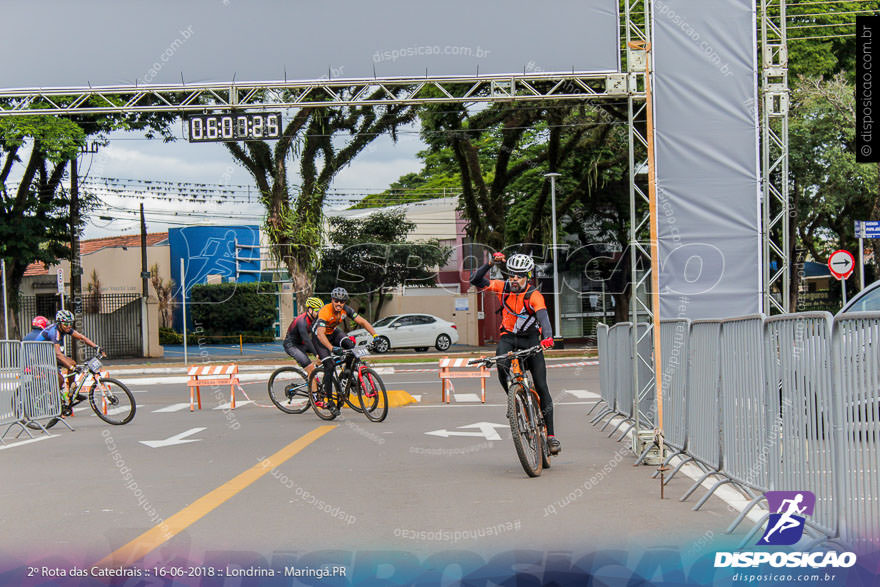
<point x="173" y="362"/>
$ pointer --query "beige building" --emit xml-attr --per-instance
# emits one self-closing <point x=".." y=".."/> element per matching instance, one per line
<point x="109" y="266"/>
<point x="113" y="265"/>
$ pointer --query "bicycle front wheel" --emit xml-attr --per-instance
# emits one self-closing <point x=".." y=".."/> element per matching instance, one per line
<point x="522" y="412"/>
<point x="112" y="401"/>
<point x="288" y="390"/>
<point x="372" y="395"/>
<point x="325" y="405"/>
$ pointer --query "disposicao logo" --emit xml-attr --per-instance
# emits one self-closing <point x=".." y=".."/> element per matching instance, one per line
<point x="785" y="526"/>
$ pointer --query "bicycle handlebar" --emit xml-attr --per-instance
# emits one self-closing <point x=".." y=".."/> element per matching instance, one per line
<point x="524" y="353"/>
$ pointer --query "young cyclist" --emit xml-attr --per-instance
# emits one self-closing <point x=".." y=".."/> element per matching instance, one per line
<point x="523" y="315"/>
<point x="300" y="340"/>
<point x="55" y="333"/>
<point x="37" y="326"/>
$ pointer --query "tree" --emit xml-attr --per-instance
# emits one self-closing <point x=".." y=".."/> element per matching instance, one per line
<point x="502" y="153"/>
<point x="372" y="254"/>
<point x="224" y="309"/>
<point x="164" y="294"/>
<point x="821" y="40"/>
<point x="324" y="140"/>
<point x="34" y="224"/>
<point x="829" y="190"/>
<point x="35" y="216"/>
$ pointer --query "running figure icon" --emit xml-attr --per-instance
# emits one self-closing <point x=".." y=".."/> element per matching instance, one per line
<point x="786" y="525"/>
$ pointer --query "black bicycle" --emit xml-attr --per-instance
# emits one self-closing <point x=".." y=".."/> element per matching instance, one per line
<point x="288" y="390"/>
<point x="356" y="378"/>
<point x="524" y="411"/>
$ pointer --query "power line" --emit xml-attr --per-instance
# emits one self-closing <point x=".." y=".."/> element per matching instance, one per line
<point x="826" y="2"/>
<point x="815" y="26"/>
<point x="822" y="37"/>
<point x="812" y="14"/>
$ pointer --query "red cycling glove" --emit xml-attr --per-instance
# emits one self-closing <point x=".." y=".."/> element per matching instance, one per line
<point x="547" y="343"/>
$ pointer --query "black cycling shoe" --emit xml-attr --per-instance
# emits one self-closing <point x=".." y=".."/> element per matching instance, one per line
<point x="80" y="397"/>
<point x="554" y="445"/>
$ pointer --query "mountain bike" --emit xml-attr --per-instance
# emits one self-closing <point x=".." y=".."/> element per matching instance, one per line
<point x="288" y="390"/>
<point x="524" y="411"/>
<point x="356" y="378"/>
<point x="109" y="398"/>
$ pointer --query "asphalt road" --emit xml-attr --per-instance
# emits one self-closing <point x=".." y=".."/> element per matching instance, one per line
<point x="332" y="491"/>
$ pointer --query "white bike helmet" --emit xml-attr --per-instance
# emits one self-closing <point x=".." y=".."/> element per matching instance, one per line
<point x="520" y="265"/>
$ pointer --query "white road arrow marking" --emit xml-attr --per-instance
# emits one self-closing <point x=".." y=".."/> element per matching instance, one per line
<point x="487" y="431"/>
<point x="176" y="439"/>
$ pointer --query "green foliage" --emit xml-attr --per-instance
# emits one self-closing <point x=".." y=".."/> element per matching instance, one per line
<point x="372" y="254"/>
<point x="829" y="189"/>
<point x="834" y="22"/>
<point x="59" y="139"/>
<point x="331" y="137"/>
<point x="168" y="336"/>
<point x="233" y="308"/>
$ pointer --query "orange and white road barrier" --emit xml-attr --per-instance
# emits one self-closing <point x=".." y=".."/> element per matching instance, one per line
<point x="446" y="373"/>
<point x="211" y="375"/>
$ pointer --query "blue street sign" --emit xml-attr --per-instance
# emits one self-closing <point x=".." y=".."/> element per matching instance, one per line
<point x="867" y="228"/>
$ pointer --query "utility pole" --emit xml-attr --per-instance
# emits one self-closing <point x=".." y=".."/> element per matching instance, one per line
<point x="75" y="261"/>
<point x="145" y="286"/>
<point x="145" y="274"/>
<point x="76" y="270"/>
<point x="557" y="291"/>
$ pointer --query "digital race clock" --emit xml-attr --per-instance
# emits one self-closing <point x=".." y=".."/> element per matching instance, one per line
<point x="234" y="127"/>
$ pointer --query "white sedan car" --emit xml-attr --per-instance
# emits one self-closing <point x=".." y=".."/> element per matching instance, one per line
<point x="418" y="331"/>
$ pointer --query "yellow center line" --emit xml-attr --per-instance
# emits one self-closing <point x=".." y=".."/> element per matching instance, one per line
<point x="162" y="533"/>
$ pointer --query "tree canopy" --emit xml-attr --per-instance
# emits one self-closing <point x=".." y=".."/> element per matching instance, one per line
<point x="372" y="254"/>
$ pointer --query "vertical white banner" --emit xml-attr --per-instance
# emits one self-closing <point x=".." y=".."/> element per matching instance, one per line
<point x="708" y="175"/>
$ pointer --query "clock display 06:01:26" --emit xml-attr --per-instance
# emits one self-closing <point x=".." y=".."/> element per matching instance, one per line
<point x="234" y="127"/>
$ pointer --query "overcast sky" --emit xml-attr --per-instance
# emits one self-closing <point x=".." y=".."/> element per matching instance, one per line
<point x="116" y="42"/>
<point x="132" y="157"/>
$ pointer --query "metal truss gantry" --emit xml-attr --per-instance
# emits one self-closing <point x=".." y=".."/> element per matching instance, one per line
<point x="642" y="267"/>
<point x="774" y="157"/>
<point x="630" y="85"/>
<point x="220" y="97"/>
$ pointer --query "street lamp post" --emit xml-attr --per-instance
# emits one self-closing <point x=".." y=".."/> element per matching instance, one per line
<point x="556" y="291"/>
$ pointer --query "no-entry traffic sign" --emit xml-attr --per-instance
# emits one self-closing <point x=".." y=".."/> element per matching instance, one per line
<point x="841" y="264"/>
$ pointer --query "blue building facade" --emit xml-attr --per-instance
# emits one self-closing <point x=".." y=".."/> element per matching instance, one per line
<point x="231" y="252"/>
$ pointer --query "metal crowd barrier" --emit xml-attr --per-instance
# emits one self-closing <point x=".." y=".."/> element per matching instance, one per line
<point x="784" y="403"/>
<point x="10" y="380"/>
<point x="674" y="338"/>
<point x="704" y="377"/>
<point x="40" y="392"/>
<point x="647" y="389"/>
<point x="857" y="393"/>
<point x="745" y="442"/>
<point x="605" y="364"/>
<point x="620" y="340"/>
<point x="800" y="396"/>
<point x="616" y="361"/>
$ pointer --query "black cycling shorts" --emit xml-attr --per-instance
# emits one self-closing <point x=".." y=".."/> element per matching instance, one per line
<point x="298" y="352"/>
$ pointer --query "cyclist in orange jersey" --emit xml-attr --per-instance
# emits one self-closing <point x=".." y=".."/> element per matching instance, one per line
<point x="524" y="322"/>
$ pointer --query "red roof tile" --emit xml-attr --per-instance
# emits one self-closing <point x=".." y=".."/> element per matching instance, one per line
<point x="38" y="268"/>
<point x="96" y="244"/>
